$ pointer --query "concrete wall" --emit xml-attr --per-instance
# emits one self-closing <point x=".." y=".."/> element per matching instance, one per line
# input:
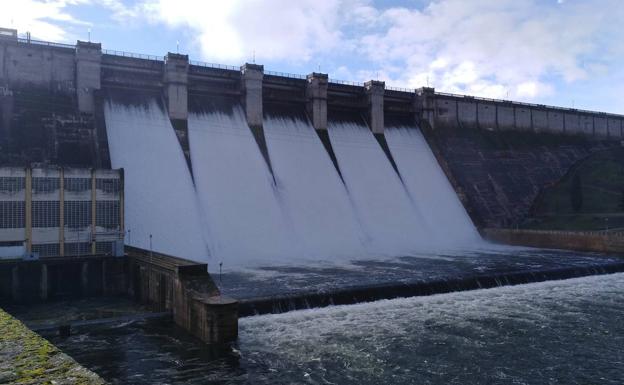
<point x="524" y="119"/>
<point x="445" y="111"/>
<point x="572" y="123"/>
<point x="506" y="117"/>
<point x="467" y="111"/>
<point x="555" y="121"/>
<point x="600" y="126"/>
<point x="35" y="65"/>
<point x="540" y="119"/>
<point x="586" y="124"/>
<point x="615" y="127"/>
<point x="487" y="113"/>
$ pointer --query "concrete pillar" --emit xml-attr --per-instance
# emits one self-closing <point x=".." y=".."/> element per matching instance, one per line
<point x="375" y="92"/>
<point x="88" y="74"/>
<point x="251" y="77"/>
<point x="424" y="105"/>
<point x="44" y="282"/>
<point x="316" y="94"/>
<point x="176" y="85"/>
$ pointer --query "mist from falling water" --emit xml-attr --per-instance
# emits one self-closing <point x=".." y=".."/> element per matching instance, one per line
<point x="159" y="195"/>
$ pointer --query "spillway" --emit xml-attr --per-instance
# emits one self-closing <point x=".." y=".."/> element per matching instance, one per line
<point x="423" y="177"/>
<point x="311" y="190"/>
<point x="390" y="219"/>
<point x="159" y="195"/>
<point x="236" y="190"/>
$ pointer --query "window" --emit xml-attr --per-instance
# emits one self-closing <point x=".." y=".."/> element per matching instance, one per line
<point x="45" y="214"/>
<point x="77" y="214"/>
<point x="107" y="214"/>
<point x="12" y="215"/>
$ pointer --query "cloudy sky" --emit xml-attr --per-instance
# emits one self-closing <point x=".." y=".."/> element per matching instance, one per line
<point x="562" y="52"/>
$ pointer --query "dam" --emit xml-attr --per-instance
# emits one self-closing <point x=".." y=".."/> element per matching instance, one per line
<point x="288" y="192"/>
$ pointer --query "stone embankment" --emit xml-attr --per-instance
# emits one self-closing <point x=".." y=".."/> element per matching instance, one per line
<point x="27" y="358"/>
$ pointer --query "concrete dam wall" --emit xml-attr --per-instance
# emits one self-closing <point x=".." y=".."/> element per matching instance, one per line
<point x="54" y="98"/>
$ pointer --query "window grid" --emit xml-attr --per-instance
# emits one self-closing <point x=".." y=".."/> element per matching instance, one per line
<point x="12" y="215"/>
<point x="77" y="214"/>
<point x="77" y="184"/>
<point x="12" y="185"/>
<point x="107" y="214"/>
<point x="104" y="247"/>
<point x="77" y="248"/>
<point x="43" y="185"/>
<point x="46" y="249"/>
<point x="45" y="214"/>
<point x="109" y="185"/>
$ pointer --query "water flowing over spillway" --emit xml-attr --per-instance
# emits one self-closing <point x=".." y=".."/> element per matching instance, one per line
<point x="392" y="222"/>
<point x="159" y="196"/>
<point x="312" y="191"/>
<point x="423" y="177"/>
<point x="241" y="212"/>
<point x="236" y="190"/>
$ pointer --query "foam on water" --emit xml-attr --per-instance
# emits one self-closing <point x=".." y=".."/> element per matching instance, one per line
<point x="311" y="190"/>
<point x="382" y="203"/>
<point x="236" y="191"/>
<point x="426" y="182"/>
<point x="159" y="194"/>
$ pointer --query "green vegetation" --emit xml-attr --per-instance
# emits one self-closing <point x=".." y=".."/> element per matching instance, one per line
<point x="589" y="197"/>
<point x="26" y="358"/>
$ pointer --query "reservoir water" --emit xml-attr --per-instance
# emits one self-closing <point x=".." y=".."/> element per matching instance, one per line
<point x="557" y="332"/>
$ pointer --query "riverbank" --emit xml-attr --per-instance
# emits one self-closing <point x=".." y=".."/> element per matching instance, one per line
<point x="27" y="358"/>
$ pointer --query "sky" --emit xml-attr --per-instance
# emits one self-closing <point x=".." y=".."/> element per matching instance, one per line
<point x="561" y="52"/>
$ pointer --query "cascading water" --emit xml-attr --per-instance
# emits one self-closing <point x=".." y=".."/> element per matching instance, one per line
<point x="311" y="190"/>
<point x="426" y="182"/>
<point x="159" y="196"/>
<point x="384" y="207"/>
<point x="236" y="190"/>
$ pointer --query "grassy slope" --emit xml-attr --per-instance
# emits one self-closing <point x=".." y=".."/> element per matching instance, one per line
<point x="602" y="177"/>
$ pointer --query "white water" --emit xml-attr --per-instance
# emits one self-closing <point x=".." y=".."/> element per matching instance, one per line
<point x="312" y="192"/>
<point x="437" y="201"/>
<point x="388" y="216"/>
<point x="236" y="191"/>
<point x="159" y="194"/>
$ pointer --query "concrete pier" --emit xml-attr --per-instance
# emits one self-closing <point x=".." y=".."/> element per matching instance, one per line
<point x="88" y="70"/>
<point x="316" y="95"/>
<point x="251" y="78"/>
<point x="175" y="78"/>
<point x="375" y="96"/>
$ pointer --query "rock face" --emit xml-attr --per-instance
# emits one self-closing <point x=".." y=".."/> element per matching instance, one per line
<point x="26" y="358"/>
<point x="498" y="174"/>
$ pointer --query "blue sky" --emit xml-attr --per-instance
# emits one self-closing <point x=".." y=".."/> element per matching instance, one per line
<point x="561" y="52"/>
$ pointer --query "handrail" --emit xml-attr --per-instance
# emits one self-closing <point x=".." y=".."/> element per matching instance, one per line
<point x="459" y="96"/>
<point x="46" y="43"/>
<point x="346" y="82"/>
<point x="285" y="75"/>
<point x="132" y="55"/>
<point x="400" y="89"/>
<point x="213" y="65"/>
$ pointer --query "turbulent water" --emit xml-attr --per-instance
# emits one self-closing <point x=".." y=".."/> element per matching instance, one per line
<point x="160" y="197"/>
<point x="558" y="332"/>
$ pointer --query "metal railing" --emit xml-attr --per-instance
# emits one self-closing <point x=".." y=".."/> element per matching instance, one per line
<point x="346" y="82"/>
<point x="132" y="55"/>
<point x="533" y="105"/>
<point x="213" y="65"/>
<point x="22" y="40"/>
<point x="285" y="75"/>
<point x="400" y="89"/>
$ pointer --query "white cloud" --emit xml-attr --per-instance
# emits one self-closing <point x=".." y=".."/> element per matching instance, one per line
<point x="40" y="18"/>
<point x="233" y="30"/>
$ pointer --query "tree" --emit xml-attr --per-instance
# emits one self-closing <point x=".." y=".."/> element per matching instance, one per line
<point x="576" y="193"/>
